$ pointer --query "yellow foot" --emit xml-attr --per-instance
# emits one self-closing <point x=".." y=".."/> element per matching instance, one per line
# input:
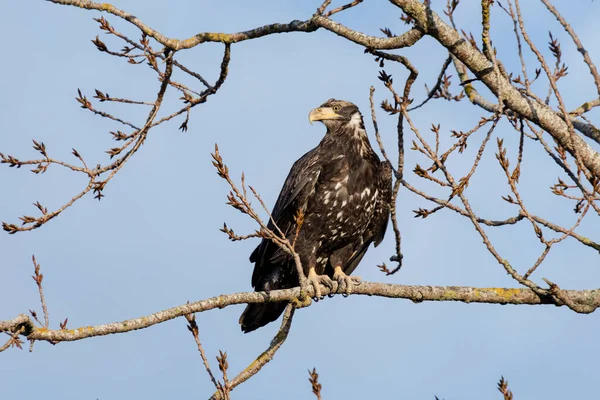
<point x="345" y="282"/>
<point x="316" y="281"/>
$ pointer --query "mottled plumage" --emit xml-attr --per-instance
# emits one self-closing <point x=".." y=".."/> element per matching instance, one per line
<point x="344" y="192"/>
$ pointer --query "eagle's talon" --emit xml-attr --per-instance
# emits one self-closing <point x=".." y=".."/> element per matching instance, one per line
<point x="316" y="281"/>
<point x="345" y="282"/>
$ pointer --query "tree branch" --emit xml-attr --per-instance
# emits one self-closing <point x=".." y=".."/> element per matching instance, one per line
<point x="575" y="38"/>
<point x="587" y="300"/>
<point x="317" y="21"/>
<point x="539" y="113"/>
<point x="265" y="356"/>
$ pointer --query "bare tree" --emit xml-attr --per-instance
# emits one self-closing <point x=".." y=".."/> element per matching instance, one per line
<point x="526" y="103"/>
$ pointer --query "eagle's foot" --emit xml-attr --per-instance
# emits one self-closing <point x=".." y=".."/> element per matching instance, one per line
<point x="316" y="281"/>
<point x="345" y="282"/>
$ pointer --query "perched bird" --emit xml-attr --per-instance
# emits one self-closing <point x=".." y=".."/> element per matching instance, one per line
<point x="343" y="191"/>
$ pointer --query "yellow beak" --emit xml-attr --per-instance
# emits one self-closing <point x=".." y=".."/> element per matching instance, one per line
<point x="322" y="113"/>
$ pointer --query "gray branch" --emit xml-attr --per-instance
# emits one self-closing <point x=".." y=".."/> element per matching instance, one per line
<point x="528" y="108"/>
<point x="586" y="300"/>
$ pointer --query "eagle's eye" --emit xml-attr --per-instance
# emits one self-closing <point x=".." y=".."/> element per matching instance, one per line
<point x="337" y="108"/>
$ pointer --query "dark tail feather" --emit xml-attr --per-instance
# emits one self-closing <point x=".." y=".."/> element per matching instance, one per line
<point x="257" y="315"/>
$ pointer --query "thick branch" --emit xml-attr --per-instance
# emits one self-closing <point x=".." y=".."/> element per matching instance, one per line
<point x="397" y="42"/>
<point x="528" y="108"/>
<point x="588" y="300"/>
<point x="175" y="44"/>
<point x="20" y="320"/>
<point x="317" y="21"/>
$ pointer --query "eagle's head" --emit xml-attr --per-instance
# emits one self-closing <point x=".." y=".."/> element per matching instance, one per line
<point x="338" y="115"/>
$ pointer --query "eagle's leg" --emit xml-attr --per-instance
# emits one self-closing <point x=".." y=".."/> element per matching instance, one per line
<point x="345" y="282"/>
<point x="338" y="260"/>
<point x="316" y="281"/>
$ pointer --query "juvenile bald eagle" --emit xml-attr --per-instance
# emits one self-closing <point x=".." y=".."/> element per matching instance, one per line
<point x="344" y="191"/>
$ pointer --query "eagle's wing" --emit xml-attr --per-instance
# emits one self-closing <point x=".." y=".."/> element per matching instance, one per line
<point x="295" y="193"/>
<point x="299" y="184"/>
<point x="377" y="226"/>
<point x="273" y="268"/>
<point x="381" y="215"/>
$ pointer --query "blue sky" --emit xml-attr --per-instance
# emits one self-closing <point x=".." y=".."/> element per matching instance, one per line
<point x="153" y="241"/>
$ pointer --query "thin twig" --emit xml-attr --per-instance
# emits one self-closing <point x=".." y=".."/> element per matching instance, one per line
<point x="38" y="277"/>
<point x="375" y="127"/>
<point x="586" y="57"/>
<point x="13" y="340"/>
<point x="314" y="383"/>
<point x="552" y="81"/>
<point x="342" y="8"/>
<point x="511" y="13"/>
<point x="437" y="85"/>
<point x="193" y="328"/>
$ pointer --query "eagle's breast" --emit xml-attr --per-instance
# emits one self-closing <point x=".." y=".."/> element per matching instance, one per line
<point x="344" y="202"/>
